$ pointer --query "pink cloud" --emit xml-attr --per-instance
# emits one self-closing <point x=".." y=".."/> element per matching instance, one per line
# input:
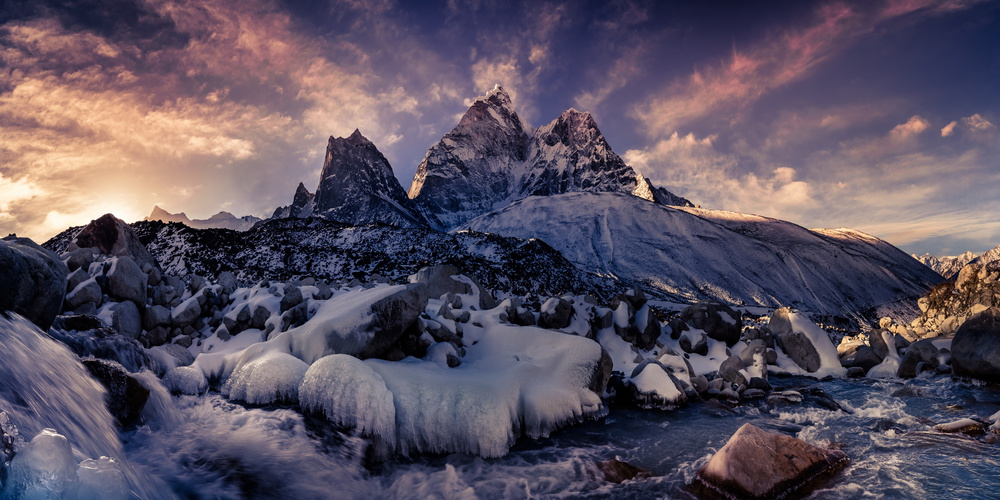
<point x="782" y="59"/>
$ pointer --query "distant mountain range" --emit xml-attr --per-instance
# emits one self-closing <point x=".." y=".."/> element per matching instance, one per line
<point x="221" y="220"/>
<point x="947" y="266"/>
<point x="563" y="184"/>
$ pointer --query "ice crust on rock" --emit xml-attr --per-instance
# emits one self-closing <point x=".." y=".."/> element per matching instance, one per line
<point x="350" y="393"/>
<point x="272" y="377"/>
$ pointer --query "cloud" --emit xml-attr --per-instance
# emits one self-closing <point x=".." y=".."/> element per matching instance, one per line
<point x="736" y="84"/>
<point x="695" y="169"/>
<point x="948" y="129"/>
<point x="913" y="127"/>
<point x="92" y="122"/>
<point x="977" y="123"/>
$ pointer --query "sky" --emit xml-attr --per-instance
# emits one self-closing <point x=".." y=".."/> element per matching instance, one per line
<point x="876" y="115"/>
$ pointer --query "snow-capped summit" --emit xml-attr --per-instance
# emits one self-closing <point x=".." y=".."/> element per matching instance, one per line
<point x="357" y="186"/>
<point x="468" y="172"/>
<point x="492" y="158"/>
<point x="570" y="154"/>
<point x="947" y="266"/>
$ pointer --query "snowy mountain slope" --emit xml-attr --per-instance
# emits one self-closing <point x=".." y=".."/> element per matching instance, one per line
<point x="303" y="204"/>
<point x="696" y="253"/>
<point x="297" y="247"/>
<point x="947" y="266"/>
<point x="221" y="220"/>
<point x="491" y="158"/>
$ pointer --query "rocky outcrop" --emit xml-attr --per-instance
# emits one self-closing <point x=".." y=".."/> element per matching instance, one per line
<point x="755" y="464"/>
<point x="357" y="187"/>
<point x="32" y="281"/>
<point x="109" y="235"/>
<point x="947" y="306"/>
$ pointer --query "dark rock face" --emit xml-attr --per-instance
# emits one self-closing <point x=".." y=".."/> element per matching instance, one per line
<point x="795" y="344"/>
<point x="357" y="186"/>
<point x="718" y="320"/>
<point x="112" y="236"/>
<point x="32" y="281"/>
<point x="559" y="317"/>
<point x="126" y="396"/>
<point x="865" y="358"/>
<point x="975" y="350"/>
<point x="920" y="356"/>
<point x="757" y="464"/>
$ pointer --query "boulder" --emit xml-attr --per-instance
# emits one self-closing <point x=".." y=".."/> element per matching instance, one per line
<point x="80" y="258"/>
<point x="393" y="315"/>
<point x="729" y="370"/>
<point x="617" y="471"/>
<point x="719" y="321"/>
<point x="758" y="464"/>
<point x="88" y="291"/>
<point x="694" y="342"/>
<point x="441" y="279"/>
<point x="126" y="281"/>
<point x="185" y="313"/>
<point x="652" y="385"/>
<point x="975" y="350"/>
<point x="865" y="358"/>
<point x="291" y="298"/>
<point x="112" y="236"/>
<point x="556" y="314"/>
<point x="228" y="282"/>
<point x="920" y="356"/>
<point x="32" y="281"/>
<point x="125" y="319"/>
<point x="796" y="345"/>
<point x="126" y="396"/>
<point x="155" y="316"/>
<point x="75" y="278"/>
<point x="602" y="373"/>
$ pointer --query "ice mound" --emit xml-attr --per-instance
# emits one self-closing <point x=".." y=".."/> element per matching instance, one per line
<point x="45" y="468"/>
<point x="349" y="393"/>
<point x="272" y="377"/>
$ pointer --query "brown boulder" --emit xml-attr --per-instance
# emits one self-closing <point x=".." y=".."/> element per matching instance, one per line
<point x="756" y="464"/>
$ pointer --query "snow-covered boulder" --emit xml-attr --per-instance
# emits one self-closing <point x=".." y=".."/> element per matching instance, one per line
<point x="446" y="278"/>
<point x="652" y="385"/>
<point x="362" y="323"/>
<point x="805" y="343"/>
<point x="272" y="378"/>
<point x="758" y="464"/>
<point x="32" y="280"/>
<point x="718" y="320"/>
<point x="86" y="292"/>
<point x="975" y="350"/>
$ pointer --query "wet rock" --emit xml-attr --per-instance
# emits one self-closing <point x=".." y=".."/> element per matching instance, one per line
<point x="920" y="356"/>
<point x="719" y="321"/>
<point x="126" y="396"/>
<point x="965" y="426"/>
<point x="975" y="350"/>
<point x="617" y="471"/>
<point x="855" y="372"/>
<point x="759" y="464"/>
<point x="86" y="336"/>
<point x="32" y="281"/>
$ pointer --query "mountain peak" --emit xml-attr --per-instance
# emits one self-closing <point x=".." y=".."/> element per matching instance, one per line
<point x="357" y="137"/>
<point x="497" y="96"/>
